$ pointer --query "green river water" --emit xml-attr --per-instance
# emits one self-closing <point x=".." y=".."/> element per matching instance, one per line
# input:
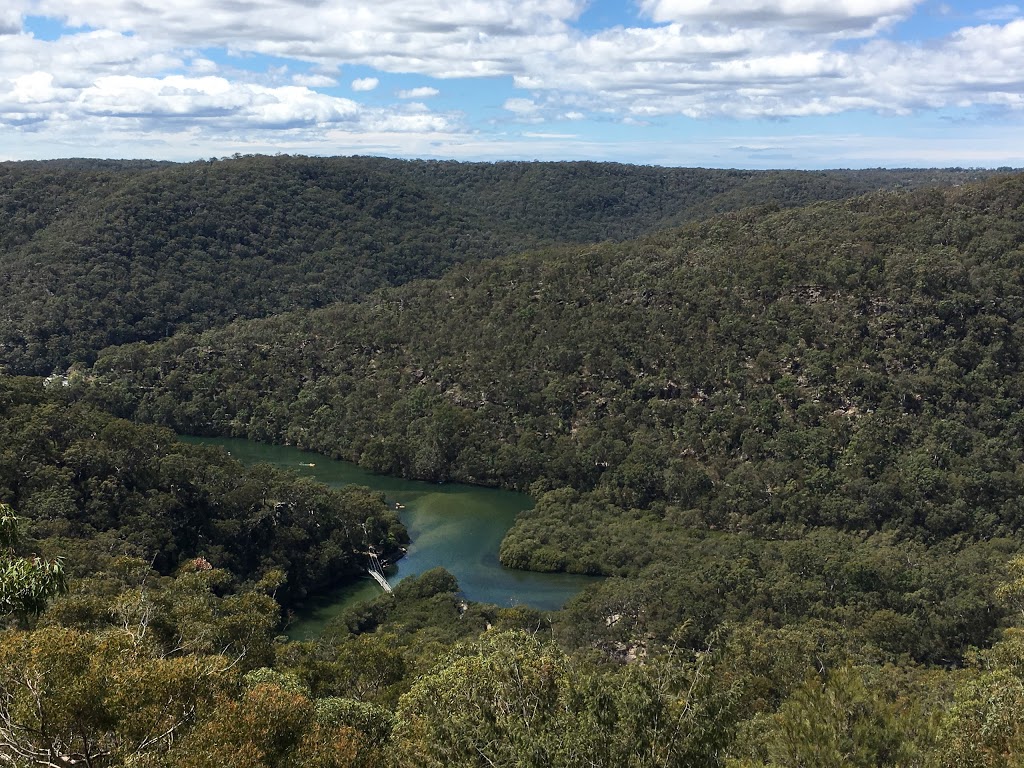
<point x="455" y="526"/>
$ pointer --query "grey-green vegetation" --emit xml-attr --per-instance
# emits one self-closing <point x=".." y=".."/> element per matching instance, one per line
<point x="789" y="437"/>
<point x="102" y="253"/>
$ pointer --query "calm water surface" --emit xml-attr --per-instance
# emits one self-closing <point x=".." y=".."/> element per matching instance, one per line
<point x="455" y="526"/>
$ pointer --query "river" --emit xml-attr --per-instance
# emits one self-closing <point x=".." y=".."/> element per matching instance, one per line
<point x="455" y="526"/>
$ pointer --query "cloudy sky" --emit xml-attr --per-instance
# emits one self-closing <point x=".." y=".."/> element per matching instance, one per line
<point x="725" y="83"/>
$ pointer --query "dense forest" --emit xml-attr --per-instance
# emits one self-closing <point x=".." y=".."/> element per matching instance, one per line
<point x="103" y="253"/>
<point x="783" y="421"/>
<point x="92" y="484"/>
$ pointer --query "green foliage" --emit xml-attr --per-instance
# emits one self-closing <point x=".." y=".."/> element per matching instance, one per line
<point x="10" y="535"/>
<point x="283" y="680"/>
<point x="839" y="722"/>
<point x="890" y="597"/>
<point x="374" y="722"/>
<point x="27" y="584"/>
<point x="89" y="483"/>
<point x="763" y="398"/>
<point x="198" y="245"/>
<point x="985" y="727"/>
<point x="793" y="431"/>
<point x="96" y="698"/>
<point x="436" y="581"/>
<point x="1011" y="592"/>
<point x="268" y="727"/>
<point x="512" y="700"/>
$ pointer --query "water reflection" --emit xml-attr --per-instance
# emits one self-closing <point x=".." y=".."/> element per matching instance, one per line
<point x="455" y="526"/>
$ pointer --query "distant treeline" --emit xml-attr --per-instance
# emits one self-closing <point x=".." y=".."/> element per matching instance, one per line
<point x="100" y="253"/>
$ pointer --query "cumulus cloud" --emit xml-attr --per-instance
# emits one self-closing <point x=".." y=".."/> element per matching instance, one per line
<point x="424" y="92"/>
<point x="147" y="61"/>
<point x="701" y="57"/>
<point x="521" y="106"/>
<point x="203" y="66"/>
<point x="209" y="105"/>
<point x="838" y="16"/>
<point x="212" y="98"/>
<point x="365" y="84"/>
<point x="215" y="99"/>
<point x="460" y="38"/>
<point x="746" y="72"/>
<point x="314" y="80"/>
<point x="10" y="21"/>
<point x="999" y="13"/>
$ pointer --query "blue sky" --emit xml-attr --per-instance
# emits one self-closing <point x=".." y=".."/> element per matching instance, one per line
<point x="722" y="83"/>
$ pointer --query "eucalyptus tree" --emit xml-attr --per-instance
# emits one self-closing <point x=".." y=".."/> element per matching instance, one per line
<point x="26" y="583"/>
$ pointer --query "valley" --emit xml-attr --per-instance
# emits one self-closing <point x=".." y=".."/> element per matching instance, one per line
<point x="692" y="468"/>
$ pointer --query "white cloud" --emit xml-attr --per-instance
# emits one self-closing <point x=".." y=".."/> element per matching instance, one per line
<point x="76" y="60"/>
<point x="214" y="99"/>
<point x="524" y="107"/>
<point x="424" y="92"/>
<point x="203" y="66"/>
<point x="365" y="84"/>
<point x="10" y="21"/>
<point x="525" y="110"/>
<point x="708" y="57"/>
<point x="149" y="60"/>
<point x="314" y="80"/>
<point x="414" y="123"/>
<point x="210" y="105"/>
<point x="999" y="13"/>
<point x="749" y="73"/>
<point x="836" y="16"/>
<point x="459" y="38"/>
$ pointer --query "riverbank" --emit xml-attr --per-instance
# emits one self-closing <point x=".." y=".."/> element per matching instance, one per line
<point x="458" y="527"/>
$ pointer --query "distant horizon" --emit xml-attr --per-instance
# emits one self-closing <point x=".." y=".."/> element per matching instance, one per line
<point x="751" y="84"/>
<point x="497" y="161"/>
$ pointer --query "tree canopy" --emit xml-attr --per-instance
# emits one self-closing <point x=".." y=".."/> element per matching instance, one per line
<point x="788" y="436"/>
<point x="94" y="254"/>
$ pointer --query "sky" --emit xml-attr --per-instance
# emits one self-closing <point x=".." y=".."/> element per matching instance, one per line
<point x="708" y="83"/>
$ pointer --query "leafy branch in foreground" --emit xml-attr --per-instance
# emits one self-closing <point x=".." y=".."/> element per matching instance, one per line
<point x="26" y="583"/>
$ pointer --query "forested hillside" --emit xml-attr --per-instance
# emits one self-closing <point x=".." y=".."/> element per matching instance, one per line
<point x="89" y="485"/>
<point x="103" y="253"/>
<point x="789" y="437"/>
<point x="846" y="364"/>
<point x="716" y="406"/>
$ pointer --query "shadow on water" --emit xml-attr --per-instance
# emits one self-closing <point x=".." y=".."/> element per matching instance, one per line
<point x="458" y="527"/>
